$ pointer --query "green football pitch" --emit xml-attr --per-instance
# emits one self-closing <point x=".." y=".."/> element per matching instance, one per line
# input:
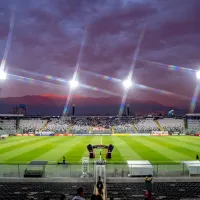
<point x="156" y="149"/>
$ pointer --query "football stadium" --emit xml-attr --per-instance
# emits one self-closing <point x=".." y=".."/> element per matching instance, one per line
<point x="121" y="150"/>
<point x="124" y="156"/>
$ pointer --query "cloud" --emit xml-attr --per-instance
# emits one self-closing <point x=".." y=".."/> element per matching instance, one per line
<point x="48" y="34"/>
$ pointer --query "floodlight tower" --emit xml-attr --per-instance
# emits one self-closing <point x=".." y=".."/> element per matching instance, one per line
<point x="3" y="76"/>
<point x="127" y="83"/>
<point x="198" y="75"/>
<point x="73" y="84"/>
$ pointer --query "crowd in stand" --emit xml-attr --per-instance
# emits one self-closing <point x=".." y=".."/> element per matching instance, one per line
<point x="193" y="125"/>
<point x="57" y="125"/>
<point x="123" y="125"/>
<point x="31" y="125"/>
<point x="7" y="124"/>
<point x="98" y="125"/>
<point x="172" y="125"/>
<point x="80" y="125"/>
<point x="146" y="125"/>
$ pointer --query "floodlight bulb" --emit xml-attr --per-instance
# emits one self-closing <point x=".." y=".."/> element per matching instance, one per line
<point x="198" y="75"/>
<point x="127" y="84"/>
<point x="73" y="83"/>
<point x="3" y="75"/>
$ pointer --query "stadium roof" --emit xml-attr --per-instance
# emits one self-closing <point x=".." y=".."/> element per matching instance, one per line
<point x="194" y="115"/>
<point x="11" y="115"/>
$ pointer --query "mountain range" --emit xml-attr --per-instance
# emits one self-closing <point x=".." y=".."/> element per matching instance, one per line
<point x="51" y="104"/>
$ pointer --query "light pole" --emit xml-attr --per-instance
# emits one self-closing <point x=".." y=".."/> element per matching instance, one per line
<point x="3" y="76"/>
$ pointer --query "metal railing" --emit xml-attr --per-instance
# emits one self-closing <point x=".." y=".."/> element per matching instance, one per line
<point x="112" y="170"/>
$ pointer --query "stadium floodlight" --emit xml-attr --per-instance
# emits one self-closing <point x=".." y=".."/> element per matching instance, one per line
<point x="198" y="75"/>
<point x="73" y="84"/>
<point x="3" y="75"/>
<point x="127" y="84"/>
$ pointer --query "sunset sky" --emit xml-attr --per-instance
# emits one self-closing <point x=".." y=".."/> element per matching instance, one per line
<point x="47" y="36"/>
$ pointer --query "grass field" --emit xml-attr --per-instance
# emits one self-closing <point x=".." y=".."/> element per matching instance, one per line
<point x="165" y="149"/>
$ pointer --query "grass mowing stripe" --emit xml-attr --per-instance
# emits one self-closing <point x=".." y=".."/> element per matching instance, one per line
<point x="18" y="145"/>
<point x="93" y="141"/>
<point x="61" y="144"/>
<point x="126" y="151"/>
<point x="189" y="141"/>
<point x="171" y="154"/>
<point x="18" y="140"/>
<point x="146" y="152"/>
<point x="31" y="155"/>
<point x="190" y="148"/>
<point x="178" y="147"/>
<point x="14" y="153"/>
<point x="116" y="156"/>
<point x="74" y="154"/>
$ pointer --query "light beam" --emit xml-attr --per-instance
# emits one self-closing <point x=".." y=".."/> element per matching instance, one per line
<point x="3" y="75"/>
<point x="73" y="84"/>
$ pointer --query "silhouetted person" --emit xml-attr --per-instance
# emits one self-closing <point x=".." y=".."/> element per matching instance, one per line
<point x="99" y="197"/>
<point x="148" y="195"/>
<point x="115" y="172"/>
<point x="197" y="157"/>
<point x="122" y="173"/>
<point x="62" y="197"/>
<point x="64" y="160"/>
<point x="79" y="195"/>
<point x="93" y="197"/>
<point x="100" y="186"/>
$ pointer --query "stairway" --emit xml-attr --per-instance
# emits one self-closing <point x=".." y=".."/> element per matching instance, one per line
<point x="45" y="125"/>
<point x="69" y="128"/>
<point x="91" y="129"/>
<point x="18" y="124"/>
<point x="159" y="126"/>
<point x="134" y="127"/>
<point x="113" y="130"/>
<point x="104" y="191"/>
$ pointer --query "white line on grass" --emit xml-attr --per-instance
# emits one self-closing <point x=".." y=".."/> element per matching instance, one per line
<point x="101" y="148"/>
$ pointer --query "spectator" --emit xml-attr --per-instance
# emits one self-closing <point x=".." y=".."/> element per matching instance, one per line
<point x="122" y="173"/>
<point x="79" y="195"/>
<point x="93" y="197"/>
<point x="99" y="197"/>
<point x="100" y="186"/>
<point x="62" y="197"/>
<point x="148" y="196"/>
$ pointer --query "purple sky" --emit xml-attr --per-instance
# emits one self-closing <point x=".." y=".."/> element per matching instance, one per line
<point x="47" y="37"/>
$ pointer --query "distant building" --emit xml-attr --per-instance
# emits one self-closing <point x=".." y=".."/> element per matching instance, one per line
<point x="19" y="109"/>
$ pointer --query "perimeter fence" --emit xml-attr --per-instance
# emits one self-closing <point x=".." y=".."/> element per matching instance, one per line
<point x="112" y="170"/>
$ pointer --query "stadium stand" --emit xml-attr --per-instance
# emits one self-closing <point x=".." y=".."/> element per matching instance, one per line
<point x="172" y="124"/>
<point x="100" y="125"/>
<point x="146" y="125"/>
<point x="57" y="125"/>
<point x="193" y="125"/>
<point x="123" y="125"/>
<point x="31" y="125"/>
<point x="80" y="125"/>
<point x="161" y="190"/>
<point x="40" y="190"/>
<point x="7" y="124"/>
